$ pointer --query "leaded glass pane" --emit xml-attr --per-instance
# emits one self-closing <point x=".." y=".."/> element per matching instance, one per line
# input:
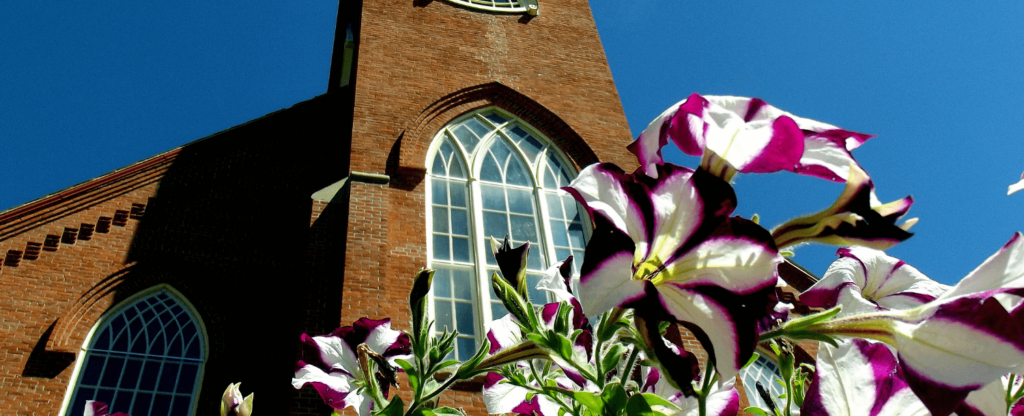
<point x="766" y="371"/>
<point x="151" y="347"/>
<point x="556" y="174"/>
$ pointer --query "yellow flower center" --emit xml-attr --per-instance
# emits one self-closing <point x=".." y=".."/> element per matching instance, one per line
<point x="649" y="270"/>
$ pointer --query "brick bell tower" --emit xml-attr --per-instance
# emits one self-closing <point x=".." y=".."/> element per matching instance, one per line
<point x="466" y="116"/>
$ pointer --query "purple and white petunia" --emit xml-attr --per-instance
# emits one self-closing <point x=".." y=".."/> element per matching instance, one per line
<point x="967" y="337"/>
<point x="866" y="280"/>
<point x="722" y="400"/>
<point x="991" y="400"/>
<point x="856" y="218"/>
<point x="330" y="363"/>
<point x="859" y="378"/>
<point x="668" y="248"/>
<point x="95" y="408"/>
<point x="750" y="136"/>
<point x="1016" y="187"/>
<point x="501" y="396"/>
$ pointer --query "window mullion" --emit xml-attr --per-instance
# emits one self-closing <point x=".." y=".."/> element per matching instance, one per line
<point x="483" y="307"/>
<point x="545" y="224"/>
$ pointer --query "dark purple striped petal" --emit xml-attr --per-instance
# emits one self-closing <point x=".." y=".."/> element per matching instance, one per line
<point x="724" y="322"/>
<point x="957" y="347"/>
<point x="503" y="333"/>
<point x="854" y="219"/>
<point x="334" y="388"/>
<point x="859" y="378"/>
<point x="868" y="280"/>
<point x="606" y="275"/>
<point x="507" y="398"/>
<point x="606" y="191"/>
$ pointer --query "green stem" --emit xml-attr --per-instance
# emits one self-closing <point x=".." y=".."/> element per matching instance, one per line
<point x="629" y="363"/>
<point x="416" y="404"/>
<point x="702" y="395"/>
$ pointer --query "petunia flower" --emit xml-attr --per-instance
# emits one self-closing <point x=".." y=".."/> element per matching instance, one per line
<point x="232" y="403"/>
<point x="856" y="218"/>
<point x="722" y="400"/>
<point x="866" y="280"/>
<point x="859" y="378"/>
<point x="501" y="396"/>
<point x="964" y="339"/>
<point x="991" y="400"/>
<point x="1016" y="187"/>
<point x="668" y="248"/>
<point x="95" y="408"/>
<point x="331" y="364"/>
<point x="749" y="136"/>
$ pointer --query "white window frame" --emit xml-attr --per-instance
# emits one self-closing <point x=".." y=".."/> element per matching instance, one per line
<point x="480" y="244"/>
<point x="115" y="311"/>
<point x="513" y="6"/>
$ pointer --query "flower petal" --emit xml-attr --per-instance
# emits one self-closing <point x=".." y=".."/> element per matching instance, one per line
<point x="556" y="282"/>
<point x="503" y="333"/>
<point x="377" y="335"/>
<point x="875" y="281"/>
<point x="334" y="388"/>
<point x="859" y="378"/>
<point x="971" y="340"/>
<point x="1003" y="271"/>
<point x="855" y="218"/>
<point x="988" y="401"/>
<point x="606" y="275"/>
<point x="724" y="322"/>
<point x="502" y="397"/>
<point x="607" y="191"/>
<point x="330" y="353"/>
<point x="1016" y="187"/>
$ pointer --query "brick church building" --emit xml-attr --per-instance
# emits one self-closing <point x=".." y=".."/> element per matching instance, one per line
<point x="443" y="122"/>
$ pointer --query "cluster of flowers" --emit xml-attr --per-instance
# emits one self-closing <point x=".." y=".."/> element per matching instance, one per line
<point x="666" y="250"/>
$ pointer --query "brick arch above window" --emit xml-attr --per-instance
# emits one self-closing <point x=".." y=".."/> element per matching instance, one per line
<point x="408" y="155"/>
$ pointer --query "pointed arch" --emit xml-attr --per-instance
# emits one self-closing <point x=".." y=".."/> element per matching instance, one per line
<point x="144" y="356"/>
<point x="418" y="136"/>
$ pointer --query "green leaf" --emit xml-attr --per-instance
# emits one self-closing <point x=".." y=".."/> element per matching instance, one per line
<point x="637" y="406"/>
<point x="448" y="411"/>
<point x="756" y="410"/>
<point x="592" y="401"/>
<point x="614" y="397"/>
<point x="655" y="400"/>
<point x="611" y="360"/>
<point x="751" y="360"/>
<point x="422" y="411"/>
<point x="410" y="370"/>
<point x="395" y="408"/>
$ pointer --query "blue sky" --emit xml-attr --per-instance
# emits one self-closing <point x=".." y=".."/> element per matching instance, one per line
<point x="88" y="88"/>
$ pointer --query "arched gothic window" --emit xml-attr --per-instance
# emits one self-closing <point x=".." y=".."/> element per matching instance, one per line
<point x="146" y="358"/>
<point x="491" y="174"/>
